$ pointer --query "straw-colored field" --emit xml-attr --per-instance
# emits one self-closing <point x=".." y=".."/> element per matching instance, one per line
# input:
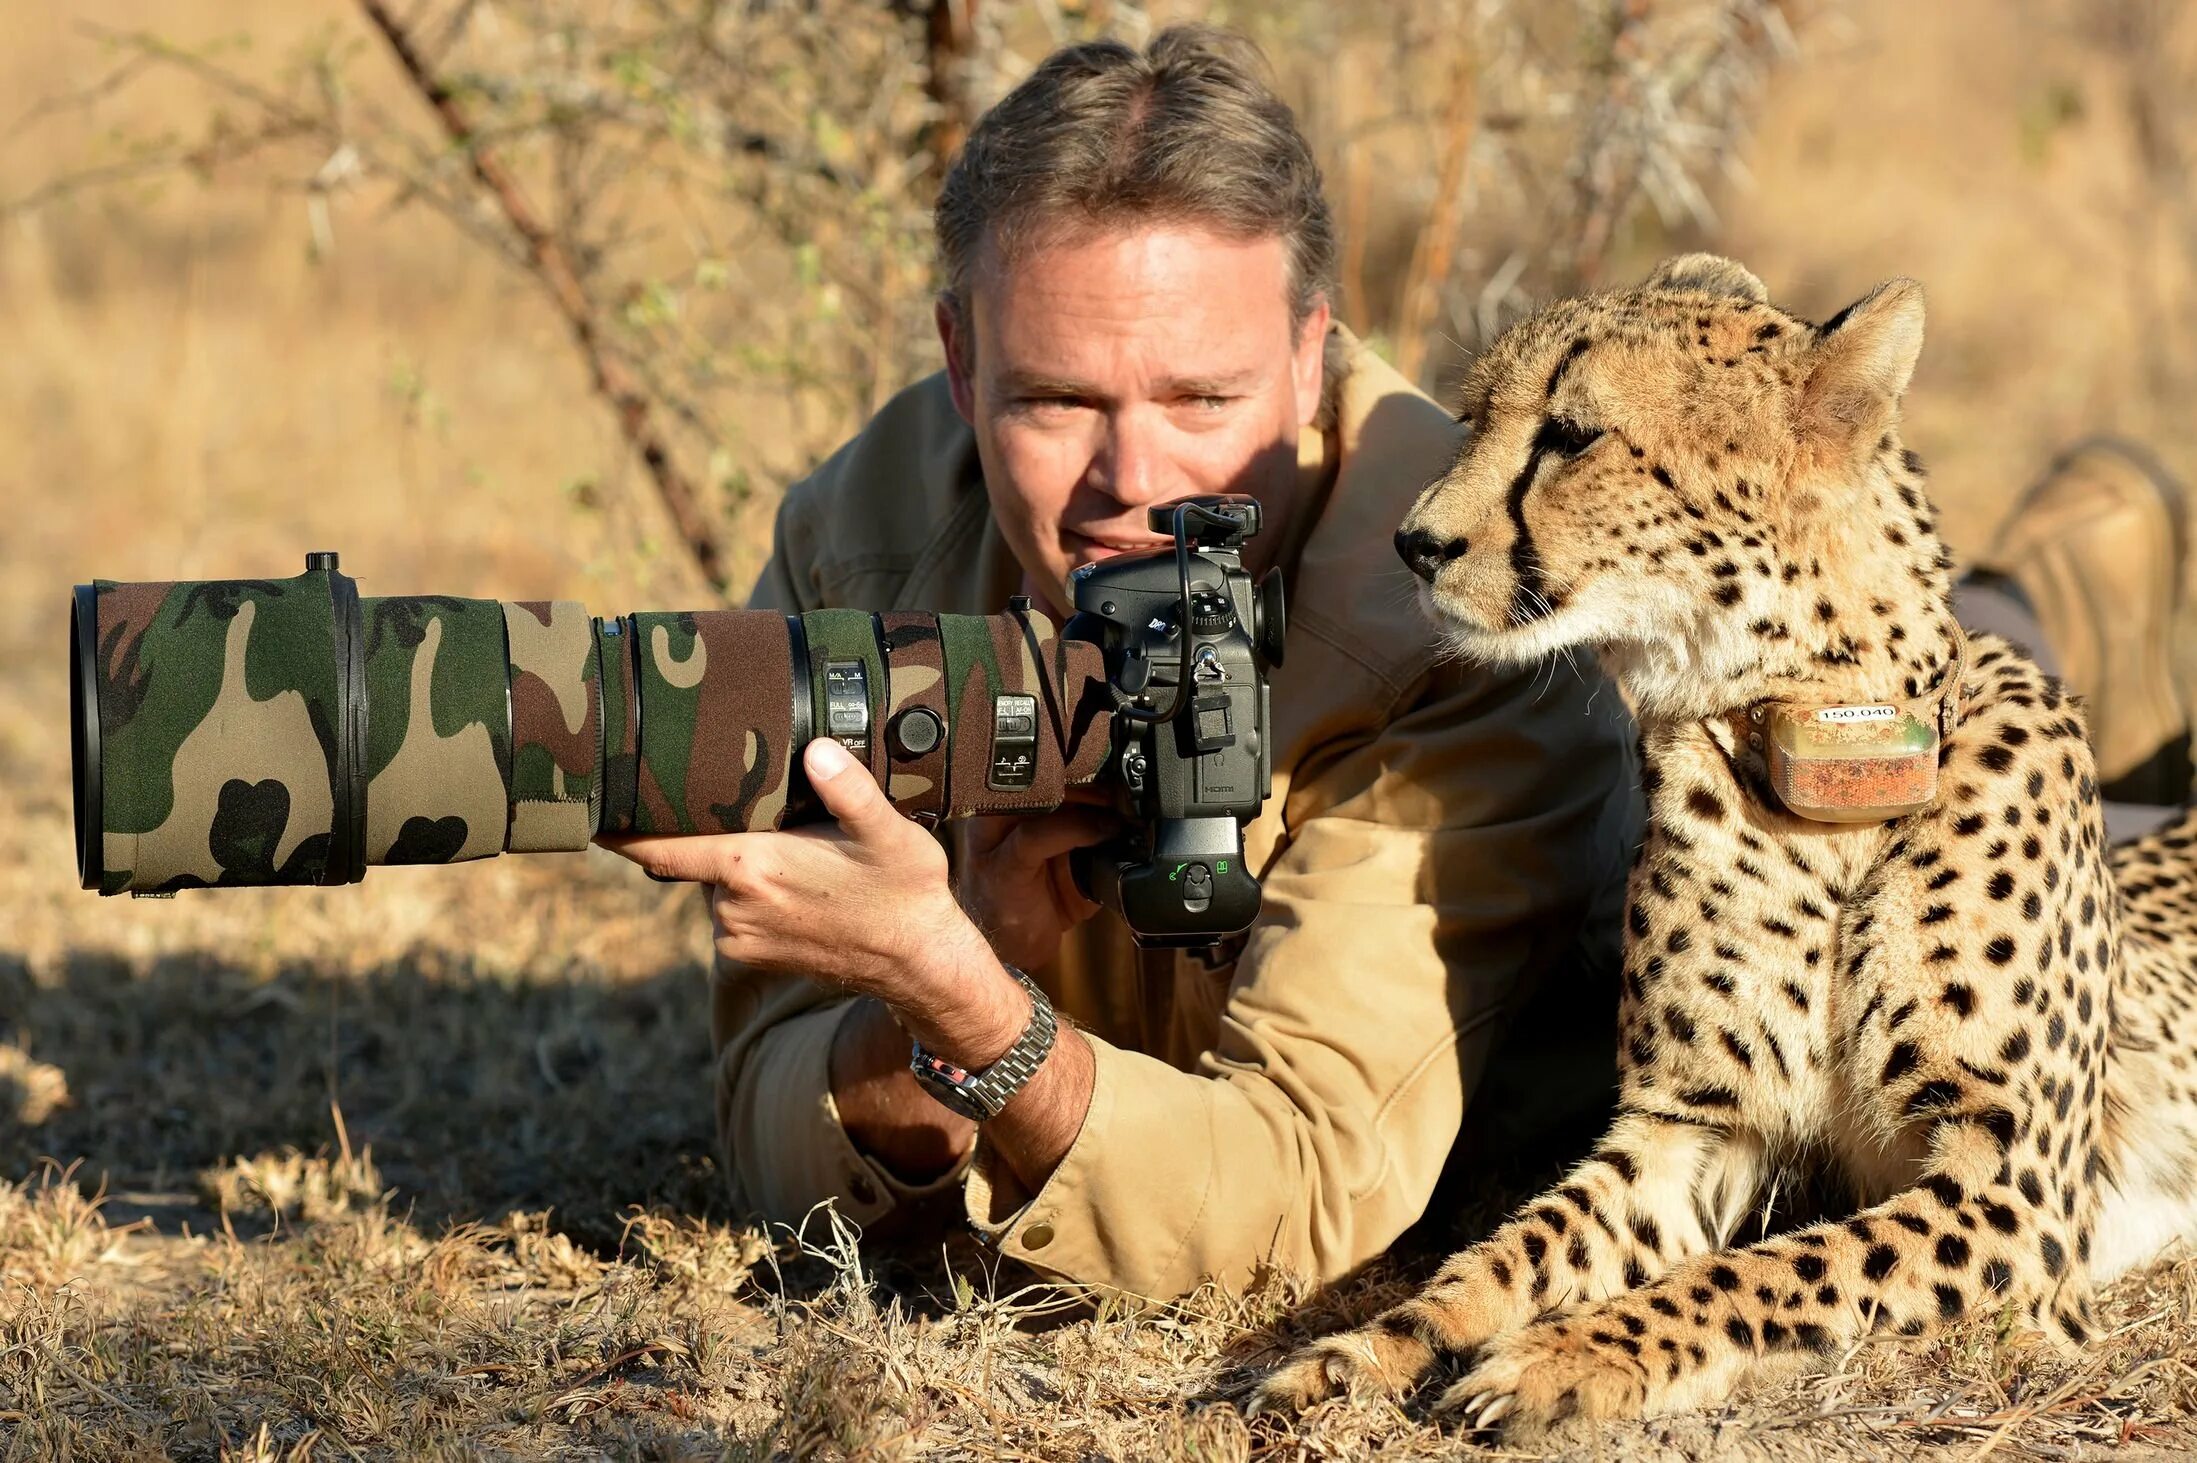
<point x="423" y="1168"/>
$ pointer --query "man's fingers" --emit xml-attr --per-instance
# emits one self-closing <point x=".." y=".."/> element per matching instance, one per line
<point x="1038" y="839"/>
<point x="848" y="792"/>
<point x="681" y="860"/>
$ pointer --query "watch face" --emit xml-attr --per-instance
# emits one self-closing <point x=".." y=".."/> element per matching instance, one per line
<point x="946" y="1092"/>
<point x="981" y="1095"/>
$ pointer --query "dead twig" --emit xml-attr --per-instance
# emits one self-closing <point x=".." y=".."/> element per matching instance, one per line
<point x="549" y="262"/>
<point x="1435" y="249"/>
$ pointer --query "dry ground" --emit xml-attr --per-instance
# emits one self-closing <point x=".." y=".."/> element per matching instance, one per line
<point x="422" y="1168"/>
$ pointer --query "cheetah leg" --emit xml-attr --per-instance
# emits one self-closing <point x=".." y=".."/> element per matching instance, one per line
<point x="1920" y="1260"/>
<point x="1653" y="1191"/>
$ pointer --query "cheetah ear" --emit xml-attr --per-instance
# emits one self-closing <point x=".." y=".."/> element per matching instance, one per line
<point x="1710" y="273"/>
<point x="1860" y="365"/>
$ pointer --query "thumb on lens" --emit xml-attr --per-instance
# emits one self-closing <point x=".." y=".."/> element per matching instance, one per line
<point x="846" y="789"/>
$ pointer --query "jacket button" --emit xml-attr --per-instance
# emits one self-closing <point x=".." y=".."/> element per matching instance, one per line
<point x="1037" y="1236"/>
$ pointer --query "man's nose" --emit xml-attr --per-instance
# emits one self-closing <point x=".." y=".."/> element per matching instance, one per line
<point x="1136" y="466"/>
<point x="1424" y="554"/>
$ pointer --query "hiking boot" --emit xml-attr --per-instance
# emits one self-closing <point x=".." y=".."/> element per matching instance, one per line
<point x="2097" y="548"/>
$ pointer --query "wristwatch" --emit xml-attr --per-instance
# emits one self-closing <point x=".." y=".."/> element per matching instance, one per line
<point x="981" y="1095"/>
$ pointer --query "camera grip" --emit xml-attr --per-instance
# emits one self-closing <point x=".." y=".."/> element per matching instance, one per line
<point x="1191" y="889"/>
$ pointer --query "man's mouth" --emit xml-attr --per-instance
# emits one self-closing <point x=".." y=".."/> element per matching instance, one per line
<point x="1088" y="547"/>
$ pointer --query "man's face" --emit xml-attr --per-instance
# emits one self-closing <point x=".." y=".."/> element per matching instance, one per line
<point x="1112" y="370"/>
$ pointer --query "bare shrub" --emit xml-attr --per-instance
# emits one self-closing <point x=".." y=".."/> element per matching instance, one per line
<point x="729" y="205"/>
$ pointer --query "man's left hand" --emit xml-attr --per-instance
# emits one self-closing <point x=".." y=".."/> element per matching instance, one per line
<point x="862" y="903"/>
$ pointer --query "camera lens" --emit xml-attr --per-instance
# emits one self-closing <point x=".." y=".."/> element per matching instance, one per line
<point x="84" y="734"/>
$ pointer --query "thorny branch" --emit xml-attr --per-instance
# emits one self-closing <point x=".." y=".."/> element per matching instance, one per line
<point x="548" y="261"/>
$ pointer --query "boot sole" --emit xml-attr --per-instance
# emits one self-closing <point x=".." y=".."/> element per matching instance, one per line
<point x="2164" y="483"/>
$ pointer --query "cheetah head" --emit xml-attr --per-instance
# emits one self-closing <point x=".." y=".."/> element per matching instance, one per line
<point x="1703" y="489"/>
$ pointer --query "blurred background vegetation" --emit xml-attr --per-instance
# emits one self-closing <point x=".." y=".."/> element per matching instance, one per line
<point x="543" y="295"/>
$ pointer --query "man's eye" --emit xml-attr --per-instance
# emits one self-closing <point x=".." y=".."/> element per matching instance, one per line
<point x="1565" y="437"/>
<point x="1210" y="403"/>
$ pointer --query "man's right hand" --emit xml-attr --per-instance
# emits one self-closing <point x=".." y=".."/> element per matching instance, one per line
<point x="1016" y="882"/>
<point x="1018" y="889"/>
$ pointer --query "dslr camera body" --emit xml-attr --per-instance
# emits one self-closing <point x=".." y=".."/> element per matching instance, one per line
<point x="1189" y="639"/>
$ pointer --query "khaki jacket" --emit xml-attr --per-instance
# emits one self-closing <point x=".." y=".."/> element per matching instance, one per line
<point x="1440" y="838"/>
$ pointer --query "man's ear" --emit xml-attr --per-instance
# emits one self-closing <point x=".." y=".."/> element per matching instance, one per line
<point x="957" y="335"/>
<point x="1858" y="368"/>
<point x="1711" y="274"/>
<point x="1309" y="364"/>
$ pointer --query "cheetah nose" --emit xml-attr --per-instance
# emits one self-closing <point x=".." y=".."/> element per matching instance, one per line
<point x="1424" y="554"/>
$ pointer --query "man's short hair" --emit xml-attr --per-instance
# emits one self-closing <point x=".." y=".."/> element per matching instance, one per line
<point x="1188" y="131"/>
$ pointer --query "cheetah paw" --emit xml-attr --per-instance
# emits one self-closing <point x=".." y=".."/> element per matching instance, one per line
<point x="1538" y="1377"/>
<point x="1333" y="1366"/>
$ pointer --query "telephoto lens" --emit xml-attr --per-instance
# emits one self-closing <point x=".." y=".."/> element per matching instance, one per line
<point x="289" y="731"/>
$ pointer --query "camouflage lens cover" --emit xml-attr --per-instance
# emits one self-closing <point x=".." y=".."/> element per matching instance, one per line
<point x="1020" y="654"/>
<point x="529" y="726"/>
<point x="840" y="640"/>
<point x="556" y="726"/>
<point x="217" y="710"/>
<point x="621" y="765"/>
<point x="716" y="714"/>
<point x="915" y="714"/>
<point x="438" y="729"/>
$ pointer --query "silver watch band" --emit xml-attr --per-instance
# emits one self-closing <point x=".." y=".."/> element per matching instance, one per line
<point x="981" y="1095"/>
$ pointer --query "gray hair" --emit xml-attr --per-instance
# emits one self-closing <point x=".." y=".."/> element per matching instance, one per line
<point x="1188" y="131"/>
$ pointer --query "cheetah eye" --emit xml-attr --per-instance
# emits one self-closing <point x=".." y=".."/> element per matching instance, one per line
<point x="1565" y="437"/>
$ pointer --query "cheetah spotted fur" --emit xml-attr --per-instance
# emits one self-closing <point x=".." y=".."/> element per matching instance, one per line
<point x="1978" y="1015"/>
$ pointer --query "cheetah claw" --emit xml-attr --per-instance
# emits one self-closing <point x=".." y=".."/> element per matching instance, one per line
<point x="1535" y="1378"/>
<point x="1313" y="1375"/>
<point x="1478" y="1412"/>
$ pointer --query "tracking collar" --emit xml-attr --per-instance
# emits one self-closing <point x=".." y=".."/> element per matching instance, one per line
<point x="1859" y="762"/>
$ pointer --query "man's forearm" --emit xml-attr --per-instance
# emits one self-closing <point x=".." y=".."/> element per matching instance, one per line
<point x="1037" y="1128"/>
<point x="884" y="1110"/>
<point x="970" y="1011"/>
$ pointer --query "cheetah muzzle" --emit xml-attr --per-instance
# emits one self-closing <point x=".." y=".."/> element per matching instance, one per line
<point x="1982" y="1015"/>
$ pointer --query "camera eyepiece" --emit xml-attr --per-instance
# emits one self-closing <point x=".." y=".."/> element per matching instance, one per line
<point x="1215" y="521"/>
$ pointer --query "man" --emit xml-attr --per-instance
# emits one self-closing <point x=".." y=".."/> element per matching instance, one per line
<point x="1137" y="257"/>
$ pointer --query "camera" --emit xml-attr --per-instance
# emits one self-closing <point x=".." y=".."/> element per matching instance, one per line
<point x="292" y="731"/>
<point x="1189" y="639"/>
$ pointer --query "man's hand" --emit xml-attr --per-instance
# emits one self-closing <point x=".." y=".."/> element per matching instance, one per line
<point x="861" y="904"/>
<point x="1018" y="886"/>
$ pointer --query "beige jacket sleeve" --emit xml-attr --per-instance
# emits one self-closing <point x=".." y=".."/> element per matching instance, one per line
<point x="1474" y="843"/>
<point x="782" y="1144"/>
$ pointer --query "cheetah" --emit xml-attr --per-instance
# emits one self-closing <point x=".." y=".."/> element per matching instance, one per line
<point x="1975" y="1016"/>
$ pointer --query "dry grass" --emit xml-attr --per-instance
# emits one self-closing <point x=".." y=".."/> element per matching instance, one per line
<point x="423" y="1168"/>
<point x="362" y="1334"/>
